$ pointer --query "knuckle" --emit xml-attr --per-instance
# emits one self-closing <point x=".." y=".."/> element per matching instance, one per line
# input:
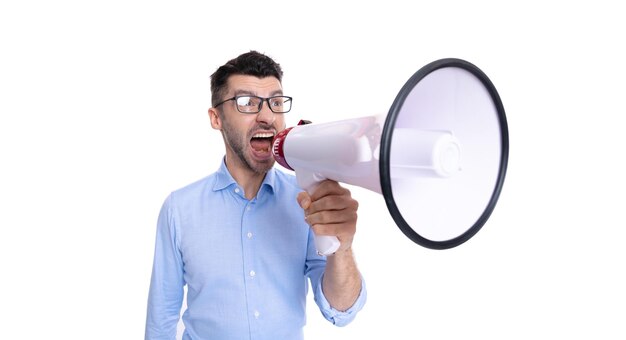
<point x="327" y="217"/>
<point x="337" y="201"/>
<point x="320" y="217"/>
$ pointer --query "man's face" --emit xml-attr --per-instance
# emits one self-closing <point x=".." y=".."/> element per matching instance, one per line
<point x="248" y="137"/>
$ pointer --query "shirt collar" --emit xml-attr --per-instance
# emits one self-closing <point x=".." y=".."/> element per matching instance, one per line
<point x="224" y="179"/>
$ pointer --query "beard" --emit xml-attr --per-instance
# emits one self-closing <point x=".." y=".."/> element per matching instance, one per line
<point x="240" y="145"/>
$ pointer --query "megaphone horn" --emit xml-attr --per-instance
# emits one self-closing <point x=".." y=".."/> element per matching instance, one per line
<point x="439" y="157"/>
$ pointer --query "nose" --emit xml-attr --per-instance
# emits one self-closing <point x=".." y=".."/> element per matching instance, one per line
<point x="265" y="115"/>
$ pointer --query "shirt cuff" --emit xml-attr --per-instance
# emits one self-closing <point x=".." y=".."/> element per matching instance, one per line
<point x="337" y="317"/>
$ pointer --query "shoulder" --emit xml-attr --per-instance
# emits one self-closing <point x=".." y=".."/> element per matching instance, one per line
<point x="193" y="191"/>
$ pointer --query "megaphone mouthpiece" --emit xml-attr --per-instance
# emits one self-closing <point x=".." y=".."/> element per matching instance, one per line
<point x="278" y="148"/>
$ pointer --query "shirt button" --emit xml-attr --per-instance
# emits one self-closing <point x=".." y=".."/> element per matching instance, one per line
<point x="252" y="273"/>
<point x="237" y="190"/>
<point x="249" y="235"/>
<point x="256" y="314"/>
<point x="248" y="208"/>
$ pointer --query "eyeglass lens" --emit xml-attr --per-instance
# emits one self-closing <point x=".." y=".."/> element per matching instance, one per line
<point x="252" y="104"/>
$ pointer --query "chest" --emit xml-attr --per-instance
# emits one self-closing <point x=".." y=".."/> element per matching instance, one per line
<point x="224" y="242"/>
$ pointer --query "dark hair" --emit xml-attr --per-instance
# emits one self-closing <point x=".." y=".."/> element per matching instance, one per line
<point x="251" y="63"/>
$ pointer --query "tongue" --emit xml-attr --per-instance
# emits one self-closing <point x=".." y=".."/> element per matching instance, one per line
<point x="260" y="144"/>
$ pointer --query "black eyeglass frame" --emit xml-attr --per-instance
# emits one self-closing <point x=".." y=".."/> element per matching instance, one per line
<point x="260" y="103"/>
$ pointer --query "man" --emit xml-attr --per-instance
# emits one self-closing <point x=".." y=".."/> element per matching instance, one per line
<point x="241" y="239"/>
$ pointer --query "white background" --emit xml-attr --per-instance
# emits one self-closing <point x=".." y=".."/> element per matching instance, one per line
<point x="103" y="113"/>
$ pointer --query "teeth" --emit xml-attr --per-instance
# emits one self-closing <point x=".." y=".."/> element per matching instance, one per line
<point x="263" y="135"/>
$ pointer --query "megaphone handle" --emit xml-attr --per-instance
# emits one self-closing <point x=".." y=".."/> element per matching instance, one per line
<point x="325" y="244"/>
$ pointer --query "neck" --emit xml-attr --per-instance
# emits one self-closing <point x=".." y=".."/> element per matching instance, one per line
<point x="248" y="179"/>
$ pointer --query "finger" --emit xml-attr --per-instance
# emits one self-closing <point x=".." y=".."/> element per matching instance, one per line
<point x="332" y="202"/>
<point x="332" y="217"/>
<point x="340" y="230"/>
<point x="328" y="187"/>
<point x="304" y="200"/>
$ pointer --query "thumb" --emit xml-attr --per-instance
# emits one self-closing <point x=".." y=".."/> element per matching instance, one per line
<point x="304" y="200"/>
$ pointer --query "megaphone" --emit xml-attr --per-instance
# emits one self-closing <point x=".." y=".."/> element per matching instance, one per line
<point x="439" y="156"/>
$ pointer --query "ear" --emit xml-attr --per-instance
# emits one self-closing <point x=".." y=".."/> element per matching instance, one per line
<point x="216" y="121"/>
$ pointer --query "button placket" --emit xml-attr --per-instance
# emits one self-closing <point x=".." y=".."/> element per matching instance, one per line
<point x="250" y="270"/>
<point x="248" y="209"/>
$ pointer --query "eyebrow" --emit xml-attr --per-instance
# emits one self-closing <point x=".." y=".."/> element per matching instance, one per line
<point x="252" y="93"/>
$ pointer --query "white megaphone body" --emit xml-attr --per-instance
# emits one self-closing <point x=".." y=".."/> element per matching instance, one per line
<point x="438" y="157"/>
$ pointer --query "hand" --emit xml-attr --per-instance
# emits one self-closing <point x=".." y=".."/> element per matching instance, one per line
<point x="331" y="210"/>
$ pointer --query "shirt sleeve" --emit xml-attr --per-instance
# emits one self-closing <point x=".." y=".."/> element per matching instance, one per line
<point x="166" y="286"/>
<point x="316" y="265"/>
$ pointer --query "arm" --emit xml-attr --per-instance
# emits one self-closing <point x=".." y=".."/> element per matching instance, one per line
<point x="166" y="286"/>
<point x="341" y="282"/>
<point x="332" y="211"/>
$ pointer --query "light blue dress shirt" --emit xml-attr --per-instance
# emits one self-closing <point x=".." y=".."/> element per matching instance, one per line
<point x="245" y="263"/>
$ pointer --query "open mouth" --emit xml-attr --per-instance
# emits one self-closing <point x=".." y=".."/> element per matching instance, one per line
<point x="262" y="142"/>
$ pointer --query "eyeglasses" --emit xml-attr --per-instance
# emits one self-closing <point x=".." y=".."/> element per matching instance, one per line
<point x="253" y="104"/>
